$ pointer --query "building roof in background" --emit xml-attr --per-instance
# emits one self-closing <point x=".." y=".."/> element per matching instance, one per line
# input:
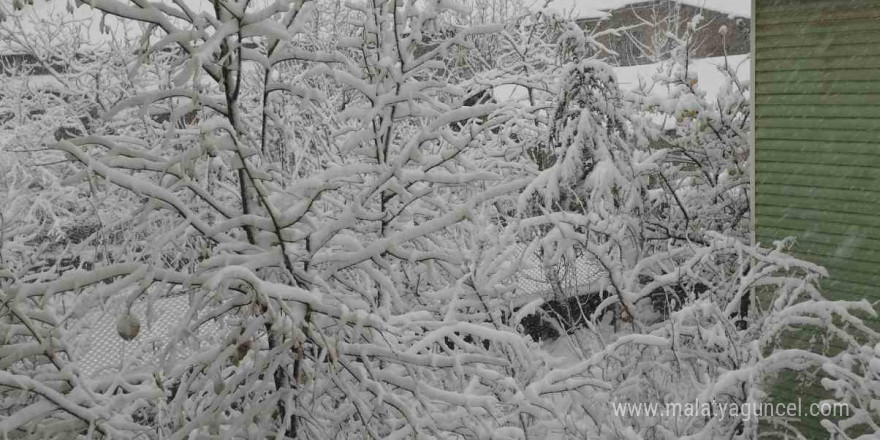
<point x="581" y="9"/>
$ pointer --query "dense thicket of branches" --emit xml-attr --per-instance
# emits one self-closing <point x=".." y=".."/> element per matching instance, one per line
<point x="344" y="193"/>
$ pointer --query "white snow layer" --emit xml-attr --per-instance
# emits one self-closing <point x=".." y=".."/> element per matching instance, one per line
<point x="707" y="71"/>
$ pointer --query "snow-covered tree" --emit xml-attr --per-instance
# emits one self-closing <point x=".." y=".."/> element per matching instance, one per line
<point x="323" y="202"/>
<point x="347" y="226"/>
<point x="700" y="313"/>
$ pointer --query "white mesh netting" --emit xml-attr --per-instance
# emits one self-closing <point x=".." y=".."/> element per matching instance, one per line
<point x="104" y="350"/>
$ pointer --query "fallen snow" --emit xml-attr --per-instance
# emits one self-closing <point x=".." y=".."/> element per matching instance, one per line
<point x="709" y="77"/>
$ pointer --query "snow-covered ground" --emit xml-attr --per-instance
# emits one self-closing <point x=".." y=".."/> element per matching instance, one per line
<point x="643" y="80"/>
<point x="709" y="77"/>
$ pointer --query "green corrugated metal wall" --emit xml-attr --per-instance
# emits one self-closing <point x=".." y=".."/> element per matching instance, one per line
<point x="817" y="146"/>
<point x="817" y="139"/>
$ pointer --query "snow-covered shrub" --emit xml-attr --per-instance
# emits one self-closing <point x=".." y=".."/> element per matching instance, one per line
<point x="323" y="202"/>
<point x="348" y="233"/>
<point x="675" y="220"/>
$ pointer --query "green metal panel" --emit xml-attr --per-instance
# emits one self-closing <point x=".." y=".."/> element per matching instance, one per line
<point x="820" y="51"/>
<point x="817" y="104"/>
<point x="817" y="40"/>
<point x="817" y="144"/>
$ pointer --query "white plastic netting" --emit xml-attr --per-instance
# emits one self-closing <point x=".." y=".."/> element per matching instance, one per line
<point x="105" y="351"/>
